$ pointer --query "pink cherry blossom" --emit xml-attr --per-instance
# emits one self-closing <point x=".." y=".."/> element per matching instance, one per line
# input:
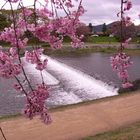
<point x="120" y="63"/>
<point x="126" y="42"/>
<point x="41" y="65"/>
<point x="13" y="52"/>
<point x="127" y="21"/>
<point x="8" y="68"/>
<point x="36" y="103"/>
<point x="33" y="56"/>
<point x="17" y="87"/>
<point x="128" y="5"/>
<point x="127" y="85"/>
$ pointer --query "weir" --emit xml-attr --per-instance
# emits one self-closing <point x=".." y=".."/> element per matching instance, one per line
<point x="77" y="83"/>
<point x="66" y="85"/>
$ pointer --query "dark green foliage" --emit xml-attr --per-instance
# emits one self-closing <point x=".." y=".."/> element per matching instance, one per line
<point x="127" y="32"/>
<point x="104" y="29"/>
<point x="90" y="27"/>
<point x="4" y="21"/>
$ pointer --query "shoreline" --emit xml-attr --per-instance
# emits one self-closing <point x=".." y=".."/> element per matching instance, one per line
<point x="70" y="106"/>
<point x="68" y="123"/>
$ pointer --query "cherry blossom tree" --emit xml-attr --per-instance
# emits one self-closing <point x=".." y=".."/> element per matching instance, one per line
<point x="121" y="62"/>
<point x="51" y="30"/>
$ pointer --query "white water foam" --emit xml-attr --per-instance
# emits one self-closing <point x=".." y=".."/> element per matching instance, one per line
<point x="58" y="96"/>
<point x="68" y="85"/>
<point x="79" y="83"/>
<point x="35" y="77"/>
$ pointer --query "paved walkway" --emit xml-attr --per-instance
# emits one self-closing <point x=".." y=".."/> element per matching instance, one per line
<point x="76" y="122"/>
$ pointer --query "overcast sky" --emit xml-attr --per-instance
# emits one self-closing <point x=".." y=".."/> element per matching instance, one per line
<point x="101" y="11"/>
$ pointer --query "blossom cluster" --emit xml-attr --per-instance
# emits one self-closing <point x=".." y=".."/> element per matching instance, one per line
<point x="45" y="25"/>
<point x="36" y="104"/>
<point x="8" y="67"/>
<point x="127" y="7"/>
<point x="34" y="57"/>
<point x="53" y="30"/>
<point x="14" y="36"/>
<point x="120" y="63"/>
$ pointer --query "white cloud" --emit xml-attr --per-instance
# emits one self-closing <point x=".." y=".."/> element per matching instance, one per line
<point x="100" y="11"/>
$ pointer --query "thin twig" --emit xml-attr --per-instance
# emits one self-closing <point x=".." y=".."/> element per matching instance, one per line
<point x="121" y="25"/>
<point x="77" y="11"/>
<point x="2" y="133"/>
<point x="26" y="94"/>
<point x="17" y="45"/>
<point x="4" y="5"/>
<point x="64" y="8"/>
<point x="21" y="86"/>
<point x="42" y="77"/>
<point x="35" y="16"/>
<point x="41" y="4"/>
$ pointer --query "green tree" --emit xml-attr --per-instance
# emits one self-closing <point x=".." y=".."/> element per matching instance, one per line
<point x="4" y="20"/>
<point x="127" y="32"/>
<point x="90" y="27"/>
<point x="104" y="29"/>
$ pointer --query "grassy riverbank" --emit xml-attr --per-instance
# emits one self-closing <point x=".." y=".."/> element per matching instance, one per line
<point x="66" y="50"/>
<point x="132" y="132"/>
<point x="112" y="116"/>
<point x="70" y="106"/>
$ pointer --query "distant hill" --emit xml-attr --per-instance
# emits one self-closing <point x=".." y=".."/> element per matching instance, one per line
<point x="98" y="28"/>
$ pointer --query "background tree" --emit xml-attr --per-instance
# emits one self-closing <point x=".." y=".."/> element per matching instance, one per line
<point x="83" y="30"/>
<point x="4" y="21"/>
<point x="90" y="28"/>
<point x="127" y="31"/>
<point x="104" y="29"/>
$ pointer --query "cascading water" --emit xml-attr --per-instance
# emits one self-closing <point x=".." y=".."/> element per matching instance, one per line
<point x="58" y="96"/>
<point x="78" y="83"/>
<point x="66" y="85"/>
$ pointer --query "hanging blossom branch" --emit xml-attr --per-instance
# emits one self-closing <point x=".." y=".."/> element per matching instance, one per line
<point x="121" y="62"/>
<point x="17" y="43"/>
<point x="41" y="24"/>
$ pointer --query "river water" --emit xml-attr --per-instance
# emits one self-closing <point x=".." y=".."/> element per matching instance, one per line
<point x="98" y="66"/>
<point x="70" y="79"/>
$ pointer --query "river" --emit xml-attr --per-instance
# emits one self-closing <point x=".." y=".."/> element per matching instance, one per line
<point x="70" y="79"/>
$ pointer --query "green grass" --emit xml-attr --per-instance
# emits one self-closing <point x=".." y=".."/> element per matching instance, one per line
<point x="74" y="51"/>
<point x="69" y="51"/>
<point x="10" y="116"/>
<point x="102" y="40"/>
<point x="109" y="40"/>
<point x="131" y="132"/>
<point x="136" y="40"/>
